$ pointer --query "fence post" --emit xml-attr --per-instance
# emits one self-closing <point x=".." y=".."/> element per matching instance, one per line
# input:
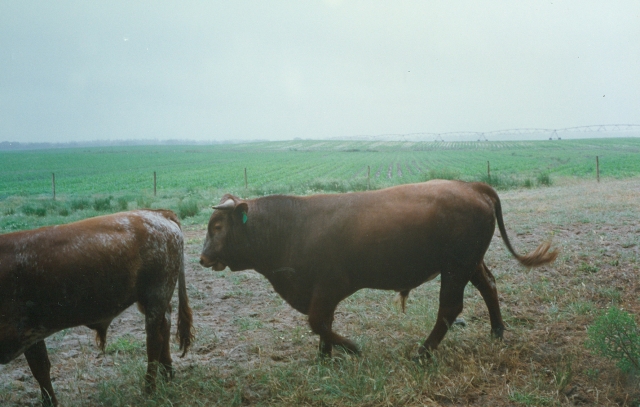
<point x="246" y="185"/>
<point x="597" y="169"/>
<point x="488" y="172"/>
<point x="368" y="177"/>
<point x="154" y="183"/>
<point x="53" y="185"/>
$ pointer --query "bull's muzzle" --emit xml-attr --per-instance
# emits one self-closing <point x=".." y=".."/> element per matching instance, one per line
<point x="217" y="265"/>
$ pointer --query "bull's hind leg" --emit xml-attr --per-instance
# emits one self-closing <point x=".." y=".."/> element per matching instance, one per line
<point x="321" y="310"/>
<point x="40" y="366"/>
<point x="451" y="295"/>
<point x="484" y="281"/>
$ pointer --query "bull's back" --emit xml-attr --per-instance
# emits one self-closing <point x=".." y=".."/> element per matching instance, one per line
<point x="397" y="238"/>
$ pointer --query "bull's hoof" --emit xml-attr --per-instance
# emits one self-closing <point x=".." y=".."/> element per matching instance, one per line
<point x="424" y="357"/>
<point x="350" y="348"/>
<point x="459" y="322"/>
<point x="497" y="333"/>
<point x="48" y="401"/>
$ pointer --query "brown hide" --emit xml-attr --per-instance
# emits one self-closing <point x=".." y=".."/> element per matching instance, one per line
<point x="86" y="273"/>
<point x="317" y="250"/>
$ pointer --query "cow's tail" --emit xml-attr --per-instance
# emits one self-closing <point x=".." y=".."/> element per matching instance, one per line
<point x="185" y="331"/>
<point x="538" y="257"/>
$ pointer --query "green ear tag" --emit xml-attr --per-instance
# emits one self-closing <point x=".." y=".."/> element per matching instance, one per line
<point x="244" y="217"/>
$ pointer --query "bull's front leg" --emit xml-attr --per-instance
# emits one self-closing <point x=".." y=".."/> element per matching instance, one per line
<point x="322" y="307"/>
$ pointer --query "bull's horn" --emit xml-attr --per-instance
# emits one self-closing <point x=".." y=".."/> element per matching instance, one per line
<point x="228" y="204"/>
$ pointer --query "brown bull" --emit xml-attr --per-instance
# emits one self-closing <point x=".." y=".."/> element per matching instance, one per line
<point x="317" y="250"/>
<point x="86" y="273"/>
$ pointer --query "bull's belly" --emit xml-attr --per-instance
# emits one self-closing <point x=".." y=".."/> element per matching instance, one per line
<point x="400" y="281"/>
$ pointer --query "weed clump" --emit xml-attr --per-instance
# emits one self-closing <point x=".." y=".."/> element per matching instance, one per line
<point x="102" y="204"/>
<point x="143" y="202"/>
<point x="544" y="179"/>
<point x="337" y="185"/>
<point x="123" y="204"/>
<point x="31" y="211"/>
<point x="442" y="173"/>
<point x="188" y="209"/>
<point x="79" y="204"/>
<point x="615" y="335"/>
<point x="500" y="182"/>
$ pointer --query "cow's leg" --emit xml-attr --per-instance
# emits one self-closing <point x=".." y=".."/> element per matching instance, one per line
<point x="165" y="354"/>
<point x="451" y="295"/>
<point x="154" y="321"/>
<point x="484" y="281"/>
<point x="40" y="366"/>
<point x="321" y="310"/>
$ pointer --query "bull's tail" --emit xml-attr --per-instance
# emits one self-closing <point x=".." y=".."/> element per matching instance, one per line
<point x="538" y="257"/>
<point x="185" y="332"/>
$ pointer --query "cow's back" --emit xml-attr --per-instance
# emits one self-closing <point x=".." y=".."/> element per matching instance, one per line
<point x="83" y="273"/>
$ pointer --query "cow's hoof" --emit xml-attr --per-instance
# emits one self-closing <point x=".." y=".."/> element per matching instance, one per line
<point x="149" y="386"/>
<point x="169" y="374"/>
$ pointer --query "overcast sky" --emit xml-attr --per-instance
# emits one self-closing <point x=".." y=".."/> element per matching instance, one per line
<point x="89" y="70"/>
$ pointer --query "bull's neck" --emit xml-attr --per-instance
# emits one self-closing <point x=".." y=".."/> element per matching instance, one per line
<point x="273" y="227"/>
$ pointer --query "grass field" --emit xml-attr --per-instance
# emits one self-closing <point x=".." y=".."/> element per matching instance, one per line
<point x="253" y="349"/>
<point x="197" y="175"/>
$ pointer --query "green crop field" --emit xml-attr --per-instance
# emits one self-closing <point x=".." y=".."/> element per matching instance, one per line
<point x="197" y="175"/>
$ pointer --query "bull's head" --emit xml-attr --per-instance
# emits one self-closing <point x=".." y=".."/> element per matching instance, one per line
<point x="224" y="232"/>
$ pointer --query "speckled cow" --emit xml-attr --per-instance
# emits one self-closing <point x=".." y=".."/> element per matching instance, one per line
<point x="86" y="273"/>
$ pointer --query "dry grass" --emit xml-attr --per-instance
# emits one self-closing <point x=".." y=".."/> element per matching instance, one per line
<point x="253" y="349"/>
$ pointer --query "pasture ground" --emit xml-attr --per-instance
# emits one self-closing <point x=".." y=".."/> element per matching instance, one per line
<point x="253" y="349"/>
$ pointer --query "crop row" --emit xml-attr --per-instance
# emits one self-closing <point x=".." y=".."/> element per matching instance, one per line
<point x="294" y="165"/>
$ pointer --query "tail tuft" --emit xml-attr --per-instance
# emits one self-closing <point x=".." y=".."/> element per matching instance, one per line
<point x="185" y="332"/>
<point x="539" y="257"/>
<point x="185" y="329"/>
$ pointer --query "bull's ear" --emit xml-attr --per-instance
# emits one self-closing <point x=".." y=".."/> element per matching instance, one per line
<point x="241" y="212"/>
